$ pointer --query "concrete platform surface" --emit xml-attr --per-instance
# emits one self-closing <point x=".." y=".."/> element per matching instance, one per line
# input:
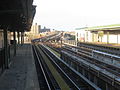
<point x="114" y="45"/>
<point x="22" y="73"/>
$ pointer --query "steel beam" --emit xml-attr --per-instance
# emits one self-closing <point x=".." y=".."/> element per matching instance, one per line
<point x="107" y="37"/>
<point x="21" y="38"/>
<point x="5" y="48"/>
<point x="14" y="37"/>
<point x="18" y="37"/>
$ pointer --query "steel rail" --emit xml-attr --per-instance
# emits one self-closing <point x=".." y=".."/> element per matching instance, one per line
<point x="94" y="86"/>
<point x="76" y="87"/>
<point x="42" y="68"/>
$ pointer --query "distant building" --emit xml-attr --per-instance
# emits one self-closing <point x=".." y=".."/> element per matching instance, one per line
<point x="34" y="33"/>
<point x="44" y="29"/>
<point x="82" y="35"/>
<point x="107" y="34"/>
<point x="34" y="29"/>
<point x="39" y="28"/>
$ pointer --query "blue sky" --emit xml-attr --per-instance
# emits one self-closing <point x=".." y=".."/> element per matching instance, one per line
<point x="71" y="14"/>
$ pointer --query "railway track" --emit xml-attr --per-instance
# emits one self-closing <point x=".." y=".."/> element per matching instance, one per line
<point x="106" y="49"/>
<point x="71" y="84"/>
<point x="72" y="76"/>
<point x="58" y="50"/>
<point x="106" y="66"/>
<point x="87" y="55"/>
<point x="45" y="78"/>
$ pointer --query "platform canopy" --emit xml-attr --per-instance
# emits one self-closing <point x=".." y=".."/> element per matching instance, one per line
<point x="16" y="14"/>
<point x="114" y="27"/>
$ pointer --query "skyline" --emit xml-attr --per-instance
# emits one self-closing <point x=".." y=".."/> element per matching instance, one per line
<point x="71" y="14"/>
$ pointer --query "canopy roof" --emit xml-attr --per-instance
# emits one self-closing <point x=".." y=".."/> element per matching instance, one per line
<point x="16" y="14"/>
<point x="114" y="27"/>
<point x="103" y="28"/>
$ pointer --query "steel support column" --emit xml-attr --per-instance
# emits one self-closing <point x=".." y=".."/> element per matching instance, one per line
<point x="6" y="49"/>
<point x="14" y="38"/>
<point x="95" y="80"/>
<point x="107" y="87"/>
<point x="92" y="37"/>
<point x="77" y="68"/>
<point x="22" y="38"/>
<point x="61" y="42"/>
<point x="107" y="37"/>
<point x="18" y="37"/>
<point x="117" y="38"/>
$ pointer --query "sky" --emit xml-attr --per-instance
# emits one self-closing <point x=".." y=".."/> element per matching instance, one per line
<point x="71" y="14"/>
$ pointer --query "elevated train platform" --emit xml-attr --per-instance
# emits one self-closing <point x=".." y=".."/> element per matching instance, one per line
<point x="17" y="69"/>
<point x="21" y="74"/>
<point x="16" y="17"/>
<point x="111" y="45"/>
